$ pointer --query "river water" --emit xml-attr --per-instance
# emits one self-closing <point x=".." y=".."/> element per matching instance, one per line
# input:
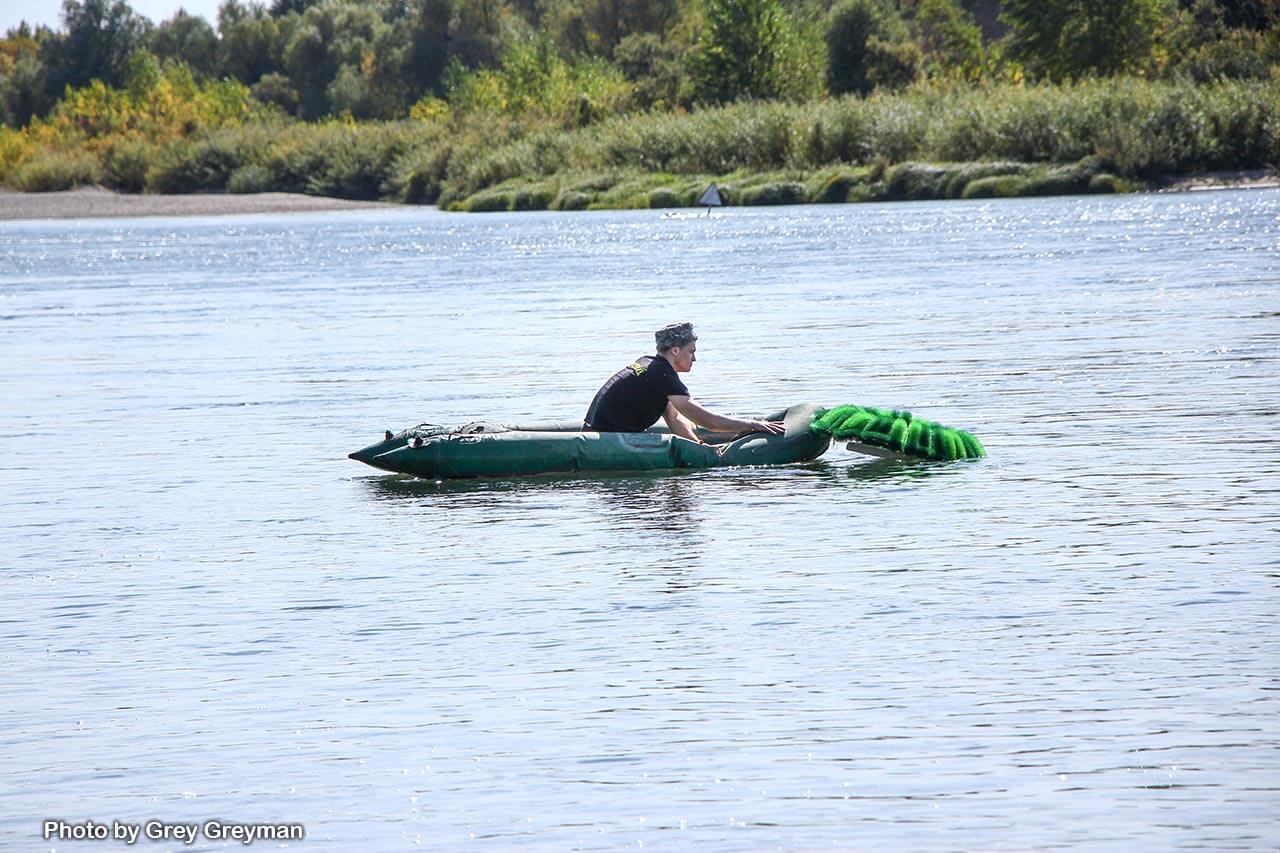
<point x="1071" y="644"/>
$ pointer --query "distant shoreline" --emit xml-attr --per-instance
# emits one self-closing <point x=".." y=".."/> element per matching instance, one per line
<point x="97" y="203"/>
<point x="1253" y="179"/>
<point x="100" y="203"/>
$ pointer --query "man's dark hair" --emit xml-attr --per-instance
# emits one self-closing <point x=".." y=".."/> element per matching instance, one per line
<point x="675" y="335"/>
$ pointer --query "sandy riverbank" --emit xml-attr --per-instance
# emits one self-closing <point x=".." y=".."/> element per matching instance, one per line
<point x="94" y="202"/>
<point x="1254" y="179"/>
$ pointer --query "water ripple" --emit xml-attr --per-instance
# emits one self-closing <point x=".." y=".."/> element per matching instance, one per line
<point x="1067" y="645"/>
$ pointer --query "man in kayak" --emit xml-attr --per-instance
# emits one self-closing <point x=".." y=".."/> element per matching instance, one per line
<point x="637" y="395"/>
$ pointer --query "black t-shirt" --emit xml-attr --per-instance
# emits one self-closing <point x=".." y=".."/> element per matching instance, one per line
<point x="635" y="397"/>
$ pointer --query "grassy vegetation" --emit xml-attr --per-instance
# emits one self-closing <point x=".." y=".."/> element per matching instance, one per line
<point x="1134" y="128"/>
<point x="48" y="171"/>
<point x="931" y="141"/>
<point x="910" y="181"/>
<point x="572" y="104"/>
<point x="999" y="139"/>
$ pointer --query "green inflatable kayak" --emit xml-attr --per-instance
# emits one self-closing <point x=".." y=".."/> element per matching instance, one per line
<point x="497" y="450"/>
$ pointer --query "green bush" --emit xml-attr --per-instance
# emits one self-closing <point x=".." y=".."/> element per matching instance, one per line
<point x="618" y="191"/>
<point x="1107" y="183"/>
<point x="961" y="175"/>
<point x="837" y="134"/>
<point x="866" y="192"/>
<point x="570" y="200"/>
<point x="417" y="174"/>
<point x="125" y="165"/>
<point x="834" y="189"/>
<point x="489" y="202"/>
<point x="595" y="184"/>
<point x="251" y="179"/>
<point x="297" y="155"/>
<point x="360" y="163"/>
<point x="52" y="171"/>
<point x="893" y="65"/>
<point x="203" y="166"/>
<point x="1060" y="180"/>
<point x="533" y="198"/>
<point x="844" y="185"/>
<point x="1234" y="56"/>
<point x="916" y="181"/>
<point x="638" y="200"/>
<point x="996" y="186"/>
<point x="1243" y="126"/>
<point x="664" y="197"/>
<point x="788" y="192"/>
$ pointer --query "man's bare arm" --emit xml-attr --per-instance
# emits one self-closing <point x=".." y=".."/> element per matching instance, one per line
<point x="695" y="412"/>
<point x="680" y="425"/>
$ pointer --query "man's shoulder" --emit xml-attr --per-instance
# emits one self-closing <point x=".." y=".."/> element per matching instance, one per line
<point x="646" y="363"/>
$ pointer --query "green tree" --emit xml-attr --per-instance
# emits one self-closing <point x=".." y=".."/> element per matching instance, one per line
<point x="867" y="46"/>
<point x="892" y="65"/>
<point x="281" y="8"/>
<point x="479" y="31"/>
<point x="951" y="38"/>
<point x="538" y="88"/>
<point x="308" y="62"/>
<point x="1196" y="42"/>
<point x="190" y="39"/>
<point x="1077" y="38"/>
<point x="251" y="44"/>
<point x="566" y="24"/>
<point x="99" y="37"/>
<point x="428" y="48"/>
<point x="388" y="65"/>
<point x="655" y="68"/>
<point x="343" y="57"/>
<point x="350" y="92"/>
<point x="1251" y="14"/>
<point x="610" y="21"/>
<point x="273" y="88"/>
<point x="986" y="13"/>
<point x="24" y="90"/>
<point x="737" y="54"/>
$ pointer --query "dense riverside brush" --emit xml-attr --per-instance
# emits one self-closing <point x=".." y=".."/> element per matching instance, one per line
<point x="897" y="431"/>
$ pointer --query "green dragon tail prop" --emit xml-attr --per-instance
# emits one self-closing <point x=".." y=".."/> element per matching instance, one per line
<point x="900" y="432"/>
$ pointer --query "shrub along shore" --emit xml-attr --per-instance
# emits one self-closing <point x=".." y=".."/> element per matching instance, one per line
<point x="930" y="141"/>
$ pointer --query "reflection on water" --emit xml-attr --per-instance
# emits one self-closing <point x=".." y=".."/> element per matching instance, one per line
<point x="665" y="501"/>
<point x="662" y="501"/>
<point x="1069" y="644"/>
<point x="659" y="505"/>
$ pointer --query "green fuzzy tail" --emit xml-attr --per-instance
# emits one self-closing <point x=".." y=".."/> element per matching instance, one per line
<point x="898" y="431"/>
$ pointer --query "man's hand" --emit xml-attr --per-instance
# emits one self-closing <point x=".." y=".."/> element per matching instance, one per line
<point x="772" y="427"/>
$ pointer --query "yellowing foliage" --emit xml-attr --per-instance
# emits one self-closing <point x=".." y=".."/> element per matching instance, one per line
<point x="13" y="47"/>
<point x="14" y="148"/>
<point x="430" y="110"/>
<point x="158" y="106"/>
<point x="537" y="88"/>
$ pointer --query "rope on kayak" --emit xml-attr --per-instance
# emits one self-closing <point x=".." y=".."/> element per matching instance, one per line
<point x="898" y="431"/>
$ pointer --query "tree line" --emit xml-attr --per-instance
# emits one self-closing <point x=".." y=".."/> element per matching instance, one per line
<point x="573" y="62"/>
